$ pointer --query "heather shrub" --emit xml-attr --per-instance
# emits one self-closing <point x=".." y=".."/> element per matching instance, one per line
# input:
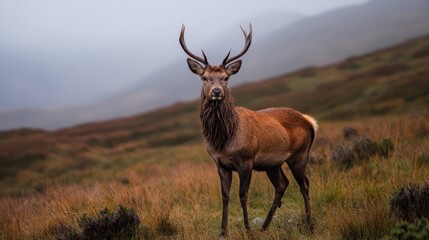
<point x="418" y="230"/>
<point x="346" y="156"/>
<point x="365" y="148"/>
<point x="315" y="159"/>
<point x="411" y="202"/>
<point x="121" y="224"/>
<point x="349" y="133"/>
<point x="65" y="232"/>
<point x="343" y="156"/>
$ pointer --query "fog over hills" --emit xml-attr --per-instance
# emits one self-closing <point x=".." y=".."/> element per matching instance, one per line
<point x="295" y="43"/>
<point x="128" y="102"/>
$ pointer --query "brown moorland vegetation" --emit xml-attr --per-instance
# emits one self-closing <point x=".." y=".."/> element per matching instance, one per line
<point x="155" y="163"/>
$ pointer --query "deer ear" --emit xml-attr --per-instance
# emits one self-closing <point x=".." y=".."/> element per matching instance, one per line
<point x="195" y="67"/>
<point x="233" y="68"/>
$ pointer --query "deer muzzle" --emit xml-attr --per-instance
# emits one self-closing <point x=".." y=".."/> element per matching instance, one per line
<point x="216" y="93"/>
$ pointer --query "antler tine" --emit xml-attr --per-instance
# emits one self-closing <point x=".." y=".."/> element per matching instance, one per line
<point x="183" y="44"/>
<point x="205" y="57"/>
<point x="226" y="58"/>
<point x="248" y="41"/>
<point x="244" y="31"/>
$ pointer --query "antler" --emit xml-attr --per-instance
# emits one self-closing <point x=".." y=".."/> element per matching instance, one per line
<point x="182" y="43"/>
<point x="247" y="43"/>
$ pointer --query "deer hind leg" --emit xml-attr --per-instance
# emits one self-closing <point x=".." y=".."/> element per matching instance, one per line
<point x="245" y="175"/>
<point x="297" y="165"/>
<point x="280" y="183"/>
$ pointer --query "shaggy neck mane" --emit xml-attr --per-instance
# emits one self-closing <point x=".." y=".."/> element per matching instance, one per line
<point x="219" y="121"/>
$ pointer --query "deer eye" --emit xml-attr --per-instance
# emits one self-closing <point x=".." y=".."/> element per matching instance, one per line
<point x="225" y="78"/>
<point x="204" y="78"/>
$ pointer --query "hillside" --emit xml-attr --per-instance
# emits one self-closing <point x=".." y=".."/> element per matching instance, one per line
<point x="302" y="41"/>
<point x="393" y="81"/>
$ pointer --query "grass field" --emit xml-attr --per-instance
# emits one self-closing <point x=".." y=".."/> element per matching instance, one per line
<point x="155" y="162"/>
<point x="176" y="191"/>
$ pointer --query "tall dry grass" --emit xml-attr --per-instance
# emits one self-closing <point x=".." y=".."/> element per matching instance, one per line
<point x="177" y="194"/>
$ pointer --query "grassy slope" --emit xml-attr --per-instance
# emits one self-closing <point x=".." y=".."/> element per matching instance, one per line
<point x="47" y="177"/>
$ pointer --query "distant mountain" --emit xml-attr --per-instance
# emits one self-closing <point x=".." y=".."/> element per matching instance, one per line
<point x="337" y="35"/>
<point x="305" y="42"/>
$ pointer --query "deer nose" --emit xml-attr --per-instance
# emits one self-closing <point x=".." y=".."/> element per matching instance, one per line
<point x="217" y="91"/>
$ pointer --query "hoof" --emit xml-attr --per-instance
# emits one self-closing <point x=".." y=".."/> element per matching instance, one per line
<point x="223" y="234"/>
<point x="311" y="228"/>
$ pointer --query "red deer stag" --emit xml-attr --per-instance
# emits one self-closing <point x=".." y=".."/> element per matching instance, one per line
<point x="242" y="140"/>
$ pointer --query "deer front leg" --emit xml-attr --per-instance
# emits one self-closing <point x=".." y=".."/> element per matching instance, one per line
<point x="245" y="175"/>
<point x="225" y="182"/>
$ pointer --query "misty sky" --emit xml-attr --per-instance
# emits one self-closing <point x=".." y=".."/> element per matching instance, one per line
<point x="58" y="53"/>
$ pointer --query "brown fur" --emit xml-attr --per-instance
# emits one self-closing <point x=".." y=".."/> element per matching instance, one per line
<point x="242" y="140"/>
<point x="238" y="133"/>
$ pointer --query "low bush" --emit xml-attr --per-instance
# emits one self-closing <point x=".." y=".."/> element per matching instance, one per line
<point x="349" y="133"/>
<point x="411" y="202"/>
<point x="121" y="224"/>
<point x="418" y="230"/>
<point x="315" y="159"/>
<point x="343" y="156"/>
<point x="365" y="148"/>
<point x="347" y="155"/>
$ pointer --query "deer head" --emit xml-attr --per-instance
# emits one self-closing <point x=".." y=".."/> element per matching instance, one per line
<point x="215" y="77"/>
